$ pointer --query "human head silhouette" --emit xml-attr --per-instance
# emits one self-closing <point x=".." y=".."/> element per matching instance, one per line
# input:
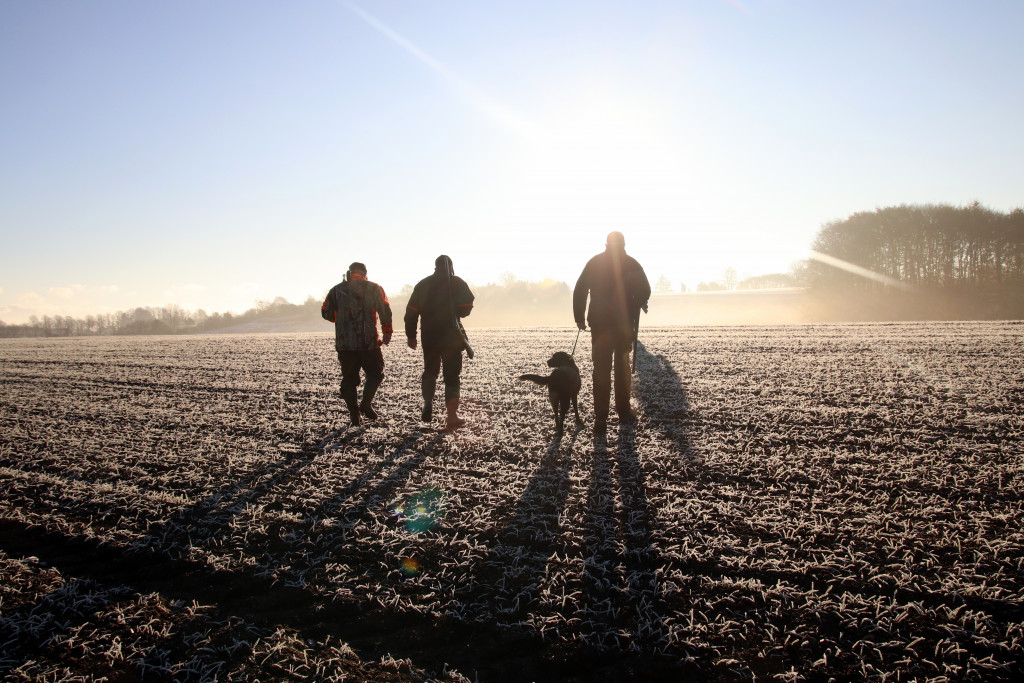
<point x="443" y="262"/>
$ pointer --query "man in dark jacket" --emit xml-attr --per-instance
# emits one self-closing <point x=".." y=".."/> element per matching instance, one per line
<point x="618" y="290"/>
<point x="353" y="306"/>
<point x="437" y="303"/>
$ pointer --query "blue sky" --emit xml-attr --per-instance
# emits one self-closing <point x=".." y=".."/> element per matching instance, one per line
<point x="210" y="154"/>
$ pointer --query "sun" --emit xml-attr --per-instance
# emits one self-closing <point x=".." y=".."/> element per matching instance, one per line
<point x="601" y="159"/>
<point x="597" y="159"/>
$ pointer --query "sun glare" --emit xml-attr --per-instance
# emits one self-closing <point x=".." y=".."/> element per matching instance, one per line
<point x="598" y="160"/>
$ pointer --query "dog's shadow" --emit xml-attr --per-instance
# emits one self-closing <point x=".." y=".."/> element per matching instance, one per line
<point x="555" y="445"/>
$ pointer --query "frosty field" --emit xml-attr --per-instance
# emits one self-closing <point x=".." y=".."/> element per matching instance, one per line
<point x="795" y="503"/>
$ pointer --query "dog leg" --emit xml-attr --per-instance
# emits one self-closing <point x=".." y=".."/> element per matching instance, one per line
<point x="553" y="400"/>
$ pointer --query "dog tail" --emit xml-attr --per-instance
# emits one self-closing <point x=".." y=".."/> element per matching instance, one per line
<point x="539" y="379"/>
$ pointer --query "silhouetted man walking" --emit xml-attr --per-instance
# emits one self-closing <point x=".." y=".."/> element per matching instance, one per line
<point x="618" y="290"/>
<point x="353" y="306"/>
<point x="438" y="302"/>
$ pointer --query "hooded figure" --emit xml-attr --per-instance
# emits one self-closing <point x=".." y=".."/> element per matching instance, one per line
<point x="437" y="303"/>
<point x="618" y="290"/>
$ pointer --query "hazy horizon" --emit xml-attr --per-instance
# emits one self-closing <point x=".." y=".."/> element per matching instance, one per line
<point x="214" y="154"/>
<point x="518" y="318"/>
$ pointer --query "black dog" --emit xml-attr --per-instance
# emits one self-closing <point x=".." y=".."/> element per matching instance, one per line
<point x="563" y="387"/>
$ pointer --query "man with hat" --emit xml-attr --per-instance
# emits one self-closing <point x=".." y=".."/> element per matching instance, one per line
<point x="353" y="305"/>
<point x="618" y="290"/>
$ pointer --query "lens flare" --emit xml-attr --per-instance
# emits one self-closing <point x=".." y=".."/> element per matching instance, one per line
<point x="409" y="566"/>
<point x="422" y="511"/>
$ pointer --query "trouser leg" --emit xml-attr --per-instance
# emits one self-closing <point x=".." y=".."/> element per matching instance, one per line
<point x="602" y="349"/>
<point x="452" y="362"/>
<point x="623" y="379"/>
<point x="349" y="381"/>
<point x="373" y="383"/>
<point x="428" y="381"/>
<point x="373" y="365"/>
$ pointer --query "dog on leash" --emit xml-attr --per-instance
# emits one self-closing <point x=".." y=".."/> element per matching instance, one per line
<point x="563" y="387"/>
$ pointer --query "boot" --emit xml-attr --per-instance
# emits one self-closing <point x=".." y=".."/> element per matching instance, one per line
<point x="353" y="411"/>
<point x="348" y="394"/>
<point x="454" y="421"/>
<point x="369" y="391"/>
<point x="428" y="387"/>
<point x="626" y="416"/>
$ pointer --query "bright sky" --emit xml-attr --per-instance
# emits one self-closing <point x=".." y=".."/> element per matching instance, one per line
<point x="212" y="153"/>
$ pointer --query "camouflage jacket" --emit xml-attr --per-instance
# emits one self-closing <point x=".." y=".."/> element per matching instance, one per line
<point x="353" y="307"/>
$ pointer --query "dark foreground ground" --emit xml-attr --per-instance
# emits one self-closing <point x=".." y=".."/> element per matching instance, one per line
<point x="796" y="503"/>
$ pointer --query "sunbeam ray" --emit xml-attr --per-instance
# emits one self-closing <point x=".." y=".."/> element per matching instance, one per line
<point x="859" y="270"/>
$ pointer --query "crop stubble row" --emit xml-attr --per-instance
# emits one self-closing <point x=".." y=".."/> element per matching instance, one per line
<point x="796" y="501"/>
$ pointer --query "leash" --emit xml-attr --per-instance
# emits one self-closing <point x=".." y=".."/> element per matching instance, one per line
<point x="578" y="330"/>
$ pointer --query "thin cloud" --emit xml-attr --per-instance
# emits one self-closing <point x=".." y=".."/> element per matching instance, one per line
<point x="184" y="290"/>
<point x="77" y="290"/>
<point x="246" y="288"/>
<point x="75" y="300"/>
<point x="66" y="292"/>
<point x="29" y="298"/>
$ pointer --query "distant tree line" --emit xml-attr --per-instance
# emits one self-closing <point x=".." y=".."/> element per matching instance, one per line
<point x="730" y="281"/>
<point x="508" y="303"/>
<point x="959" y="262"/>
<point x="515" y="303"/>
<point x="170" y="319"/>
<point x="929" y="245"/>
<point x="967" y="261"/>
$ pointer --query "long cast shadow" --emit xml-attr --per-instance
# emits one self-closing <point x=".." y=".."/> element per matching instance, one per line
<point x="620" y="557"/>
<point x="620" y="560"/>
<point x="319" y="543"/>
<point x="163" y="556"/>
<point x="511" y="574"/>
<point x="249" y="593"/>
<point x="661" y="391"/>
<point x="193" y="524"/>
